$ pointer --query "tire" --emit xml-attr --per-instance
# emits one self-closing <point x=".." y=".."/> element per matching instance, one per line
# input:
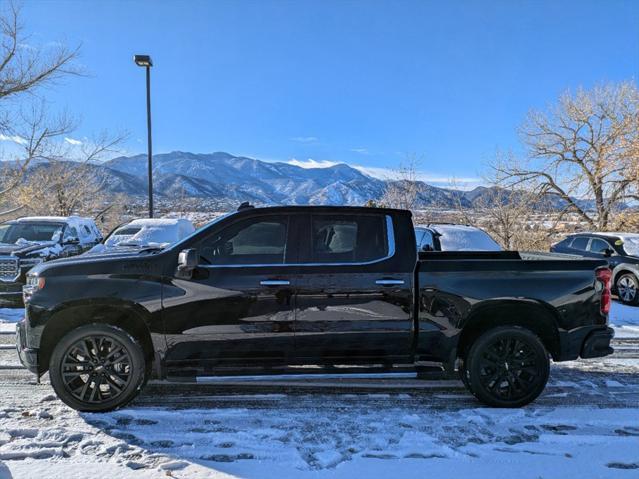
<point x="507" y="367"/>
<point x="463" y="374"/>
<point x="97" y="368"/>
<point x="627" y="287"/>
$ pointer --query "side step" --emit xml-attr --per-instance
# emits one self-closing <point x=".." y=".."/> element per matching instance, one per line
<point x="292" y="374"/>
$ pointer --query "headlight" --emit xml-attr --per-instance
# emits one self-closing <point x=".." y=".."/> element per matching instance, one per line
<point x="34" y="283"/>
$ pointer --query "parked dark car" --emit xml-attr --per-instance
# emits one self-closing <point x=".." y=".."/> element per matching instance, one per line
<point x="620" y="250"/>
<point x="274" y="290"/>
<point x="453" y="237"/>
<point x="29" y="241"/>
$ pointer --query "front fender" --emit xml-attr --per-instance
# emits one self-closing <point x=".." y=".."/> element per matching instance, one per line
<point x="138" y="296"/>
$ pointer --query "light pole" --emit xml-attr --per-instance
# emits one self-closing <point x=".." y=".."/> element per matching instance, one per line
<point x="145" y="61"/>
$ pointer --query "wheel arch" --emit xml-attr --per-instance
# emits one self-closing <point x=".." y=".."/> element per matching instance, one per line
<point x="530" y="314"/>
<point x="622" y="269"/>
<point x="67" y="319"/>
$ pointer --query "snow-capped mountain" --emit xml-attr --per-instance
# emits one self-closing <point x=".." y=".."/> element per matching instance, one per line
<point x="221" y="179"/>
<point x="246" y="179"/>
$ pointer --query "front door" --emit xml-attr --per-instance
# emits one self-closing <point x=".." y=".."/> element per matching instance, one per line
<point x="238" y="308"/>
<point x="354" y="291"/>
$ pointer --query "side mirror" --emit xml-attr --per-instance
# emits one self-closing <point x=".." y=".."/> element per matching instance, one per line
<point x="608" y="252"/>
<point x="427" y="247"/>
<point x="187" y="262"/>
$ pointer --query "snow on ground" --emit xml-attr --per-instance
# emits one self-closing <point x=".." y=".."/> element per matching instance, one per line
<point x="585" y="424"/>
<point x="8" y="318"/>
<point x="625" y="320"/>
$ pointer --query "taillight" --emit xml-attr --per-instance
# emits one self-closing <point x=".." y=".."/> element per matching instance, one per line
<point x="604" y="276"/>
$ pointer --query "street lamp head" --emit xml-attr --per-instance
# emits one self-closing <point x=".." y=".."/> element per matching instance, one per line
<point x="143" y="60"/>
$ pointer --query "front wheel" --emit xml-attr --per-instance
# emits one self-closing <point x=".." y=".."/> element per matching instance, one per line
<point x="627" y="288"/>
<point x="507" y="367"/>
<point x="97" y="368"/>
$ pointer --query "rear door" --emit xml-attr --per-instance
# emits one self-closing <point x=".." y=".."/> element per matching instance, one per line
<point x="354" y="289"/>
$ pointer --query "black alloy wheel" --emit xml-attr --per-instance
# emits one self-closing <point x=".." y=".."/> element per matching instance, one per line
<point x="507" y="367"/>
<point x="97" y="368"/>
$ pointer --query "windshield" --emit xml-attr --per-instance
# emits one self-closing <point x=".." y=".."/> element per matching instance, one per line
<point x="36" y="232"/>
<point x="153" y="235"/>
<point x="631" y="245"/>
<point x="466" y="239"/>
<point x="122" y="234"/>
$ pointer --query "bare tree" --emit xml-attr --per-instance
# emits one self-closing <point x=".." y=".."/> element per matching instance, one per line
<point x="68" y="180"/>
<point x="24" y="70"/>
<point x="403" y="188"/>
<point x="584" y="147"/>
<point x="513" y="217"/>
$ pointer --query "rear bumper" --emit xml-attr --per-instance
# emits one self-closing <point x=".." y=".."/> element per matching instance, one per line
<point x="585" y="342"/>
<point x="597" y="344"/>
<point x="28" y="356"/>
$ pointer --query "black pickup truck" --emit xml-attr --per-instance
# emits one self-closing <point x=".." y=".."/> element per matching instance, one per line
<point x="309" y="289"/>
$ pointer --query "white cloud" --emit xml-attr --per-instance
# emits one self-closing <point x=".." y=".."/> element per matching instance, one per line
<point x="305" y="139"/>
<point x="361" y="151"/>
<point x="71" y="141"/>
<point x="13" y="138"/>
<point x="311" y="163"/>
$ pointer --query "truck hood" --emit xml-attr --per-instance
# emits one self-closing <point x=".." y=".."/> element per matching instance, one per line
<point x="29" y="248"/>
<point x="132" y="262"/>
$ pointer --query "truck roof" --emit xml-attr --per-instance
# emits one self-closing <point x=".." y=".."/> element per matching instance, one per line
<point x="46" y="219"/>
<point x="606" y="234"/>
<point x="323" y="208"/>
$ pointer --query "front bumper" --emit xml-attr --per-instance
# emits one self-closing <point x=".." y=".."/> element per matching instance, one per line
<point x="585" y="342"/>
<point x="28" y="356"/>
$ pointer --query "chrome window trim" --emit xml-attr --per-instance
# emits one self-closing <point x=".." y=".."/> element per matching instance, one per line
<point x="390" y="239"/>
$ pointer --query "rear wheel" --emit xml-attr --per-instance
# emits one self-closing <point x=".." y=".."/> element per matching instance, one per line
<point x="627" y="287"/>
<point x="97" y="368"/>
<point x="507" y="367"/>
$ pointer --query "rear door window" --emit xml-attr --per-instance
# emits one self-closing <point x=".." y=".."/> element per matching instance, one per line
<point x="598" y="246"/>
<point x="348" y="238"/>
<point x="579" y="243"/>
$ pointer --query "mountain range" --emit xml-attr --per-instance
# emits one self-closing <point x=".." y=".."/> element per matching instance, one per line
<point x="227" y="180"/>
<point x="234" y="179"/>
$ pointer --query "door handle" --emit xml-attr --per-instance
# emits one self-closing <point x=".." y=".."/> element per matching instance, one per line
<point x="275" y="282"/>
<point x="389" y="282"/>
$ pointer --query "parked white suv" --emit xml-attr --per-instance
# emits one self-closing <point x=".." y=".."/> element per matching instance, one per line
<point x="145" y="233"/>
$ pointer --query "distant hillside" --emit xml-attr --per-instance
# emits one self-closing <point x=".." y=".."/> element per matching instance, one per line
<point x="226" y="180"/>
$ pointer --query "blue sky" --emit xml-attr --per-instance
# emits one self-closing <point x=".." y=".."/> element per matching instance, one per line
<point x="361" y="82"/>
